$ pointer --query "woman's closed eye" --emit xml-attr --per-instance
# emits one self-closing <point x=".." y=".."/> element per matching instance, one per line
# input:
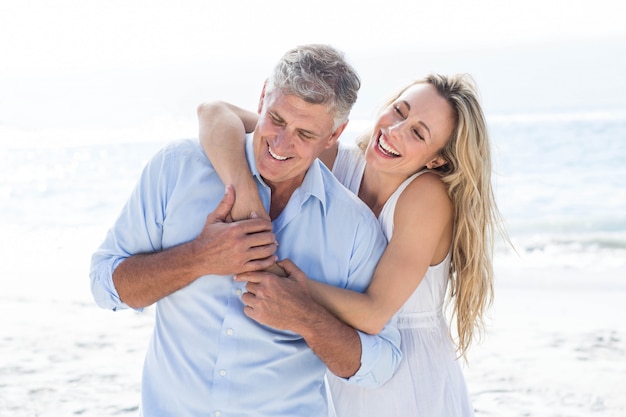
<point x="418" y="134"/>
<point x="399" y="111"/>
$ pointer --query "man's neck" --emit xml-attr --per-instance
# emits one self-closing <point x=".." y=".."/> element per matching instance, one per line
<point x="281" y="193"/>
<point x="277" y="205"/>
<point x="280" y="197"/>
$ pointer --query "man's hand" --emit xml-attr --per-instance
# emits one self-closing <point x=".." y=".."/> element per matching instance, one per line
<point x="282" y="303"/>
<point x="228" y="247"/>
<point x="222" y="248"/>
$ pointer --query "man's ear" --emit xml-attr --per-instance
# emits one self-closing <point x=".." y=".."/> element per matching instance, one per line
<point x="436" y="163"/>
<point x="262" y="98"/>
<point x="334" y="137"/>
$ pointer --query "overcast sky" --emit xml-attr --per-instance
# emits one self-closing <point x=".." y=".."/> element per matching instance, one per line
<point x="83" y="34"/>
<point x="84" y="52"/>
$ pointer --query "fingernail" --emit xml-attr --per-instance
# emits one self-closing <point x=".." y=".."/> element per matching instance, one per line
<point x="253" y="215"/>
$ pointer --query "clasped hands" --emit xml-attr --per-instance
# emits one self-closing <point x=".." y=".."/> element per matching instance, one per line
<point x="277" y="293"/>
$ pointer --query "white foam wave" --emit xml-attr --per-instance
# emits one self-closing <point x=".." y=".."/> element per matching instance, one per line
<point x="585" y="116"/>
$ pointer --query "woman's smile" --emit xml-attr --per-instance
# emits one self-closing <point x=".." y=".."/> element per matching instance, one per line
<point x="385" y="147"/>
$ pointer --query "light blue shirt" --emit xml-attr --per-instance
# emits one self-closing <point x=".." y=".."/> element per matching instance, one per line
<point x="206" y="358"/>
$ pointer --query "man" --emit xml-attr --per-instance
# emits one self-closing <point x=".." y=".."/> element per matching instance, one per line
<point x="219" y="350"/>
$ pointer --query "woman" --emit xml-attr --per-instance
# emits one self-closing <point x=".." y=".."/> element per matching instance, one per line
<point x="425" y="171"/>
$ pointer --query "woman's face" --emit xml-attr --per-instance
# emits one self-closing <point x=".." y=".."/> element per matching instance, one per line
<point x="410" y="132"/>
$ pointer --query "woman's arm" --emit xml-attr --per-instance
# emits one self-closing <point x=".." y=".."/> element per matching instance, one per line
<point x="222" y="129"/>
<point x="422" y="233"/>
<point x="422" y="237"/>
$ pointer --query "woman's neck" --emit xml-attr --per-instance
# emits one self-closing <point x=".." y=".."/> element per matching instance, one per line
<point x="376" y="188"/>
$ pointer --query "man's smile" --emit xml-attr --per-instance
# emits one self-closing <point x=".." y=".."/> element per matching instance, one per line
<point x="275" y="155"/>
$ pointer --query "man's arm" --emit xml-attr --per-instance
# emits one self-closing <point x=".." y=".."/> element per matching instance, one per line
<point x="366" y="360"/>
<point x="132" y="268"/>
<point x="222" y="248"/>
<point x="286" y="304"/>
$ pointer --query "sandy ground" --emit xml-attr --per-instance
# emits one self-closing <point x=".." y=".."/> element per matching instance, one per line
<point x="555" y="346"/>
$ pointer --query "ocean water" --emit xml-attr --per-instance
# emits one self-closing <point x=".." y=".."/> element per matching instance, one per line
<point x="562" y="177"/>
<point x="560" y="181"/>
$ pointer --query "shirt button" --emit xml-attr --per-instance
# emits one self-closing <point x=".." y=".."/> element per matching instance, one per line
<point x="223" y="372"/>
<point x="218" y="413"/>
<point x="230" y="332"/>
<point x="238" y="292"/>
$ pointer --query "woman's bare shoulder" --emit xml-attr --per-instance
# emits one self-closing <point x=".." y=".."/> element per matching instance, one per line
<point x="426" y="191"/>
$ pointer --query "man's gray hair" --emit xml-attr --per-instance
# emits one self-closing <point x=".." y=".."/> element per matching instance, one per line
<point x="318" y="74"/>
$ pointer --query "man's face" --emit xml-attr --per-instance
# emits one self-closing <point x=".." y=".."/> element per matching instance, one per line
<point x="288" y="137"/>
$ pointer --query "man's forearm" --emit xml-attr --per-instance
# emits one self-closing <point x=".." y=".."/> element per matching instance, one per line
<point x="286" y="304"/>
<point x="222" y="248"/>
<point x="335" y="343"/>
<point x="144" y="279"/>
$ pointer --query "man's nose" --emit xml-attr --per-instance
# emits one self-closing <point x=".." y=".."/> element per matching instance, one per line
<point x="283" y="139"/>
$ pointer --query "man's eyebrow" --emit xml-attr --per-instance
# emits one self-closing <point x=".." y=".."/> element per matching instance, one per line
<point x="277" y="118"/>
<point x="310" y="133"/>
<point x="275" y="115"/>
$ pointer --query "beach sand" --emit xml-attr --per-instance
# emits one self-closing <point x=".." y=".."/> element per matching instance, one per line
<point x="555" y="345"/>
<point x="555" y="342"/>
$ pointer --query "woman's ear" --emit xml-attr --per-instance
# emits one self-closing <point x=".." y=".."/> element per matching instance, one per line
<point x="436" y="163"/>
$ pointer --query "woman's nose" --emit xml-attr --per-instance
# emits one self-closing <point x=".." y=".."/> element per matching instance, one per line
<point x="394" y="129"/>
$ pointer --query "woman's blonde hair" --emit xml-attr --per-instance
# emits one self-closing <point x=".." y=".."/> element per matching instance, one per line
<point x="467" y="175"/>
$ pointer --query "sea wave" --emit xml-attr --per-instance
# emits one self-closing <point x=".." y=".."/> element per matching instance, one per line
<point x="571" y="243"/>
<point x="602" y="115"/>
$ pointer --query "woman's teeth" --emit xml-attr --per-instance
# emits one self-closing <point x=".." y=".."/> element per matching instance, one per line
<point x="385" y="147"/>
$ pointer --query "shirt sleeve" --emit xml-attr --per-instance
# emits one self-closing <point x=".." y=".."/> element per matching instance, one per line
<point x="380" y="354"/>
<point x="380" y="357"/>
<point x="138" y="229"/>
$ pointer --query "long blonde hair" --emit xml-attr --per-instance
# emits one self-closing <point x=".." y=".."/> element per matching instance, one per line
<point x="467" y="175"/>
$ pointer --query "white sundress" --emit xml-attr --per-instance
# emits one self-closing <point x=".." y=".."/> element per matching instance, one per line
<point x="429" y="381"/>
